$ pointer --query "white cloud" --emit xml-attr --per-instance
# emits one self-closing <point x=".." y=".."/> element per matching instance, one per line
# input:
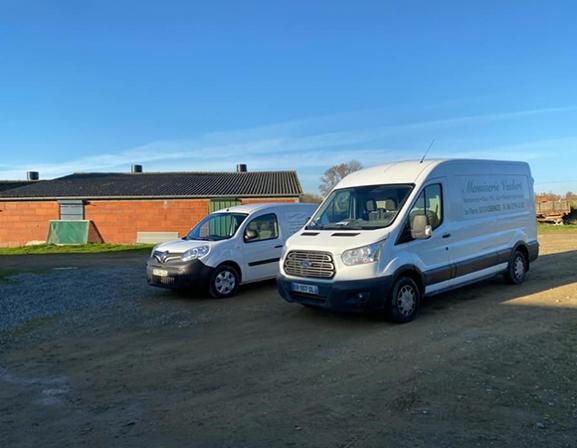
<point x="307" y="145"/>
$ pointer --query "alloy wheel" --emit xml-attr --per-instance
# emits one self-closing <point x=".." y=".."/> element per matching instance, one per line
<point x="225" y="282"/>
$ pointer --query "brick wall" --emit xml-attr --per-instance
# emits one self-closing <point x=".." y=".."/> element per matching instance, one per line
<point x="21" y="222"/>
<point x="115" y="221"/>
<point x="119" y="221"/>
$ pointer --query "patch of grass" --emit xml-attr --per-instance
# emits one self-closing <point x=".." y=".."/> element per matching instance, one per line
<point x="80" y="249"/>
<point x="550" y="228"/>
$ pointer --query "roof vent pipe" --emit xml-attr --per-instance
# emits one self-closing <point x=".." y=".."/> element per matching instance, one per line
<point x="136" y="168"/>
<point x="32" y="175"/>
<point x="241" y="168"/>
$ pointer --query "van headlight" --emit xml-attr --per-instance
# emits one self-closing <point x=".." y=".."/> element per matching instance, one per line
<point x="362" y="255"/>
<point x="195" y="253"/>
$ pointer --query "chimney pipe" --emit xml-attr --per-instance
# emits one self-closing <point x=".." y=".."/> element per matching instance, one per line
<point x="136" y="168"/>
<point x="32" y="175"/>
<point x="241" y="168"/>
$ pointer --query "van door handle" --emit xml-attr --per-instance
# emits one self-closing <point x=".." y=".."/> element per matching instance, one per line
<point x="446" y="235"/>
<point x="278" y="247"/>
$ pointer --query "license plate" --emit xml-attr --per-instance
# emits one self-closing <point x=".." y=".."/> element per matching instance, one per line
<point x="159" y="272"/>
<point x="307" y="289"/>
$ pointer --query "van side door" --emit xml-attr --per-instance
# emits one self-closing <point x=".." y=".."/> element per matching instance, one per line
<point x="261" y="247"/>
<point x="433" y="253"/>
<point x="488" y="222"/>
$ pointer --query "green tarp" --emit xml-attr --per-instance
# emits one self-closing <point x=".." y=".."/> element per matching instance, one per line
<point x="68" y="232"/>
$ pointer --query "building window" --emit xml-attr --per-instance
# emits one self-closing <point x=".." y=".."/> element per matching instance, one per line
<point x="71" y="210"/>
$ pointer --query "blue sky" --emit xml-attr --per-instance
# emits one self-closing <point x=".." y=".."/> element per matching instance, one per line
<point x="185" y="85"/>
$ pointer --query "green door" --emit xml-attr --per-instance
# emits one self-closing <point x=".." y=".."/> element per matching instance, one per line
<point x="222" y="226"/>
<point x="219" y="204"/>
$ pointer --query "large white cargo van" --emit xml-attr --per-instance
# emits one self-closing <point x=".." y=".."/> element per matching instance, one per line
<point x="389" y="235"/>
<point x="230" y="247"/>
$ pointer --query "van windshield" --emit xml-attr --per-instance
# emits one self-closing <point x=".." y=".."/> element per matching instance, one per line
<point x="216" y="227"/>
<point x="361" y="208"/>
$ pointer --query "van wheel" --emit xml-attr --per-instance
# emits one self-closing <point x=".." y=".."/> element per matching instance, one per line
<point x="223" y="282"/>
<point x="404" y="300"/>
<point x="517" y="269"/>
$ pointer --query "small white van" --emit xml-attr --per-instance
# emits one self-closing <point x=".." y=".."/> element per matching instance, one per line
<point x="230" y="247"/>
<point x="389" y="235"/>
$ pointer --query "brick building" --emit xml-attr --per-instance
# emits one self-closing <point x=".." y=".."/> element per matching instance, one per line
<point x="124" y="206"/>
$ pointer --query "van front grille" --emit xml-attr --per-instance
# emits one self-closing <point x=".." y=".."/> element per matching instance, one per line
<point x="309" y="264"/>
<point x="166" y="257"/>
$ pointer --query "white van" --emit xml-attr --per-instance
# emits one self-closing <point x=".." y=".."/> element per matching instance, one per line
<point x="230" y="247"/>
<point x="389" y="235"/>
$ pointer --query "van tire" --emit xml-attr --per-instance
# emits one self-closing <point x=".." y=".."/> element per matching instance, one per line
<point x="404" y="300"/>
<point x="517" y="268"/>
<point x="224" y="282"/>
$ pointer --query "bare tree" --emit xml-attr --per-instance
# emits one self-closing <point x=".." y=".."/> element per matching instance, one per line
<point x="335" y="173"/>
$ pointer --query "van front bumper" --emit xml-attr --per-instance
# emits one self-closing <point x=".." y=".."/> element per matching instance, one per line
<point x="178" y="275"/>
<point x="353" y="295"/>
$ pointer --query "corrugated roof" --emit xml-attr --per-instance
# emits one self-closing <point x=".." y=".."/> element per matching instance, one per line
<point x="11" y="184"/>
<point x="183" y="184"/>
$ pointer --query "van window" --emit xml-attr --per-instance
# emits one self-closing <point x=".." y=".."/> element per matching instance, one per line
<point x="216" y="227"/>
<point x="429" y="203"/>
<point x="340" y="207"/>
<point x="364" y="207"/>
<point x="263" y="228"/>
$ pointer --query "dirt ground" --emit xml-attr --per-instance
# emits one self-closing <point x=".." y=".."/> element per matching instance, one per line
<point x="92" y="356"/>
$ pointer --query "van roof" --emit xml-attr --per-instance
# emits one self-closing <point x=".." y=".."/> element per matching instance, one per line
<point x="413" y="171"/>
<point x="251" y="208"/>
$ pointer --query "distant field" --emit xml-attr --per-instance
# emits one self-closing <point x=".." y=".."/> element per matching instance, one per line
<point x="550" y="228"/>
<point x="80" y="249"/>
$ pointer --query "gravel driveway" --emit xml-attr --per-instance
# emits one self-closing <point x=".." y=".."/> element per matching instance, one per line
<point x="92" y="356"/>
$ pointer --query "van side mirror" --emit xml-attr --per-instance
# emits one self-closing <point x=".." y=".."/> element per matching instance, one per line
<point x="250" y="235"/>
<point x="420" y="228"/>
